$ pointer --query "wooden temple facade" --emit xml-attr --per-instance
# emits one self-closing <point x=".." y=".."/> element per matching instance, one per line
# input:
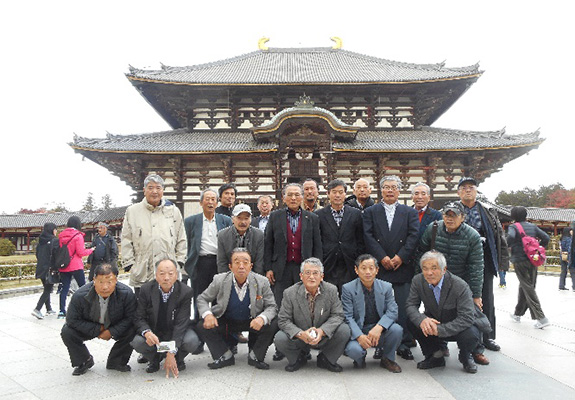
<point x="274" y="116"/>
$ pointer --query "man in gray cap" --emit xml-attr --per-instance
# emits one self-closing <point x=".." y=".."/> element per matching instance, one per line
<point x="495" y="254"/>
<point x="241" y="234"/>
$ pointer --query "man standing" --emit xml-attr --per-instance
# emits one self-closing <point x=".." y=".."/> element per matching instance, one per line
<point x="201" y="230"/>
<point x="371" y="313"/>
<point x="103" y="309"/>
<point x="341" y="230"/>
<point x="421" y="195"/>
<point x="241" y="234"/>
<point x="105" y="250"/>
<point x="265" y="206"/>
<point x="495" y="252"/>
<point x="163" y="315"/>
<point x="292" y="235"/>
<point x="361" y="195"/>
<point x="238" y="300"/>
<point x="227" y="193"/>
<point x="461" y="245"/>
<point x="152" y="231"/>
<point x="391" y="236"/>
<point x="310" y="195"/>
<point x="311" y="316"/>
<point x="448" y="315"/>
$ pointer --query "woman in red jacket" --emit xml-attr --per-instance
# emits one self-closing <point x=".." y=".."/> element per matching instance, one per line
<point x="74" y="239"/>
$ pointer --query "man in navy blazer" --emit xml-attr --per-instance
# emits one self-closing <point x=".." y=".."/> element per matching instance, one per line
<point x="371" y="313"/>
<point x="201" y="231"/>
<point x="341" y="228"/>
<point x="391" y="235"/>
<point x="421" y="195"/>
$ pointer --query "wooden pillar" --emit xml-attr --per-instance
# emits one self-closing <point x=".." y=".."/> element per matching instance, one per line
<point x="28" y="239"/>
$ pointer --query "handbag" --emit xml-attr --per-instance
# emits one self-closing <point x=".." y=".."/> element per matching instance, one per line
<point x="564" y="256"/>
<point x="53" y="277"/>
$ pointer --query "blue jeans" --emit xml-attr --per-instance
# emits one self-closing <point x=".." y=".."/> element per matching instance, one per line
<point x="65" y="279"/>
<point x="502" y="277"/>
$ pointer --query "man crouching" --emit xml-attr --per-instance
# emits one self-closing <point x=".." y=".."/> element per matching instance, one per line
<point x="236" y="301"/>
<point x="101" y="309"/>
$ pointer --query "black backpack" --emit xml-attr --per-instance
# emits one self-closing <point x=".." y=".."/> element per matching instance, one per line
<point x="60" y="255"/>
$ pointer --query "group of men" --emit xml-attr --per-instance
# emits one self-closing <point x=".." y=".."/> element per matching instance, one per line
<point x="338" y="279"/>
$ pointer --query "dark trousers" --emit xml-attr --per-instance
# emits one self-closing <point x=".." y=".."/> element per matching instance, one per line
<point x="65" y="279"/>
<point x="45" y="296"/>
<point x="527" y="299"/>
<point x="488" y="300"/>
<point x="467" y="340"/>
<point x="289" y="277"/>
<point x="338" y="274"/>
<point x="401" y="292"/>
<point x="190" y="342"/>
<point x="74" y="341"/>
<point x="563" y="275"/>
<point x="204" y="273"/>
<point x="217" y="338"/>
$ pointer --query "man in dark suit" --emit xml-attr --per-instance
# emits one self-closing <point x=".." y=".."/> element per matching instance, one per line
<point x="201" y="231"/>
<point x="292" y="235"/>
<point x="104" y="309"/>
<point x="238" y="300"/>
<point x="391" y="236"/>
<point x="449" y="313"/>
<point x="421" y="196"/>
<point x="265" y="207"/>
<point x="311" y="316"/>
<point x="241" y="234"/>
<point x="371" y="313"/>
<point x="341" y="228"/>
<point x="163" y="315"/>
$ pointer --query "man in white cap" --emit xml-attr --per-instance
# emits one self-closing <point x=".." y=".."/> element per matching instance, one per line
<point x="241" y="234"/>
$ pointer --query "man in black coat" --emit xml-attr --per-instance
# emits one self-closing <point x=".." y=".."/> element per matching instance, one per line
<point x="163" y="315"/>
<point x="341" y="228"/>
<point x="105" y="249"/>
<point x="104" y="309"/>
<point x="391" y="236"/>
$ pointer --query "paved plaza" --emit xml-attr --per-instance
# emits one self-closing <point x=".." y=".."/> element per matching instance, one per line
<point x="533" y="364"/>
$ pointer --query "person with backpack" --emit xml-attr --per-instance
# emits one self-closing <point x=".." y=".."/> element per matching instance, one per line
<point x="524" y="269"/>
<point x="565" y="244"/>
<point x="73" y="238"/>
<point x="43" y="257"/>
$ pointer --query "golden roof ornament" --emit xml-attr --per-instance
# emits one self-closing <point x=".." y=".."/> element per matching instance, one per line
<point x="304" y="102"/>
<point x="338" y="42"/>
<point x="262" y="43"/>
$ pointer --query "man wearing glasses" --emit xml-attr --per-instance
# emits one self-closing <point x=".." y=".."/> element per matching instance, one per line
<point x="391" y="232"/>
<point x="495" y="253"/>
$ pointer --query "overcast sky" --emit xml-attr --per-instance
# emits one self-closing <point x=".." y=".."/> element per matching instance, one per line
<point x="63" y="66"/>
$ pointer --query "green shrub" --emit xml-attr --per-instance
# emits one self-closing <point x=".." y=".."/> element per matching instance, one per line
<point x="7" y="248"/>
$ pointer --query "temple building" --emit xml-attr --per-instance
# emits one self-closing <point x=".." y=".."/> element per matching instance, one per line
<point x="279" y="115"/>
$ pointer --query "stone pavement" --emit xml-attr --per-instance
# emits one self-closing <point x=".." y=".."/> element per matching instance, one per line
<point x="533" y="364"/>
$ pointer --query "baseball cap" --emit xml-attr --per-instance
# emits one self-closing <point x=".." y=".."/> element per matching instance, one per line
<point x="467" y="179"/>
<point x="240" y="208"/>
<point x="454" y="206"/>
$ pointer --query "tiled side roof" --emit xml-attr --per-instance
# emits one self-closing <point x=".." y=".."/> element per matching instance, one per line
<point x="426" y="138"/>
<point x="538" y="214"/>
<point x="60" y="219"/>
<point x="302" y="65"/>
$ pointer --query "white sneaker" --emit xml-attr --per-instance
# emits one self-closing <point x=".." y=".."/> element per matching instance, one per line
<point x="541" y="323"/>
<point x="37" y="314"/>
<point x="515" y="318"/>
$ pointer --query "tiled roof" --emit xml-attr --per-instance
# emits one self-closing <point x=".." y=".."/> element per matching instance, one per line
<point x="538" y="214"/>
<point x="302" y="65"/>
<point x="426" y="138"/>
<point x="60" y="219"/>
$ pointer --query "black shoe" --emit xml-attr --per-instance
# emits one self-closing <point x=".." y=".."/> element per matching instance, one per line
<point x="323" y="362"/>
<point x="490" y="344"/>
<point x="181" y="366"/>
<point x="300" y="362"/>
<point x="378" y="353"/>
<point x="405" y="354"/>
<point x="360" y="365"/>
<point x="142" y="359"/>
<point x="468" y="364"/>
<point x="222" y="362"/>
<point x="563" y="288"/>
<point x="84" y="367"/>
<point x="431" y="362"/>
<point x="153" y="366"/>
<point x="278" y="356"/>
<point x="258" y="364"/>
<point x="121" y="368"/>
<point x="198" y="350"/>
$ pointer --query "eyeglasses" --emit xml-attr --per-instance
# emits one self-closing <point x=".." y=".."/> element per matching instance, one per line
<point x="293" y="195"/>
<point x="311" y="273"/>
<point x="392" y="187"/>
